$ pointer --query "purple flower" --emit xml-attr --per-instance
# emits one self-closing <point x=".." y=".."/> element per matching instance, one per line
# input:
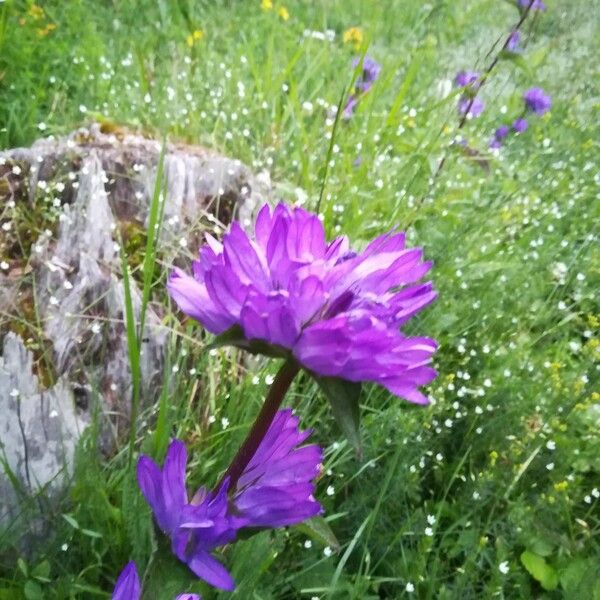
<point x="499" y="136"/>
<point x="501" y="132"/>
<point x="535" y="4"/>
<point x="467" y="78"/>
<point x="337" y="312"/>
<point x="275" y="489"/>
<point x="204" y="518"/>
<point x="370" y="73"/>
<point x="520" y="125"/>
<point x="537" y="101"/>
<point x="128" y="586"/>
<point x="475" y="106"/>
<point x="512" y="44"/>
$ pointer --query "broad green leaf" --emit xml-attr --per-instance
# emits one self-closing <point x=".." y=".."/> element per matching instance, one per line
<point x="33" y="590"/>
<point x="344" y="396"/>
<point x="318" y="529"/>
<point x="540" y="570"/>
<point x="42" y="571"/>
<point x="580" y="579"/>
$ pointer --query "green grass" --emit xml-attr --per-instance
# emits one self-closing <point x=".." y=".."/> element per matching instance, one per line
<point x="507" y="458"/>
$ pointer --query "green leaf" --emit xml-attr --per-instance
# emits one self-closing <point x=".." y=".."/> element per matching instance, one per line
<point x="344" y="396"/>
<point x="318" y="529"/>
<point x="579" y="579"/>
<point x="23" y="567"/>
<point x="71" y="521"/>
<point x="90" y="533"/>
<point x="540" y="570"/>
<point x="42" y="571"/>
<point x="33" y="590"/>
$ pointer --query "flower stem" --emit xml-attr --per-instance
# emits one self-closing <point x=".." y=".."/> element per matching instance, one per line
<point x="263" y="421"/>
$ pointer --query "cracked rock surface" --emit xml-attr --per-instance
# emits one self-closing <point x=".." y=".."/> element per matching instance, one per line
<point x="66" y="285"/>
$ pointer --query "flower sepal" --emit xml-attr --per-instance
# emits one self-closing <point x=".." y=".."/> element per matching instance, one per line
<point x="234" y="336"/>
<point x="343" y="396"/>
<point x="318" y="529"/>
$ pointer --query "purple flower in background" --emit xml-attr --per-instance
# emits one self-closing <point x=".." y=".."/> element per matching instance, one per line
<point x="520" y="125"/>
<point x="535" y="4"/>
<point x="370" y="73"/>
<point x="275" y="490"/>
<point x="512" y="45"/>
<point x="501" y="132"/>
<point x="467" y="78"/>
<point x="499" y="136"/>
<point x="128" y="586"/>
<point x="337" y="312"/>
<point x="537" y="100"/>
<point x="474" y="106"/>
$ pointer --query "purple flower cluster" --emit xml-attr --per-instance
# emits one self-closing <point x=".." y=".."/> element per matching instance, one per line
<point x="129" y="587"/>
<point x="337" y="312"/>
<point x="369" y="74"/>
<point x="537" y="102"/>
<point x="469" y="103"/>
<point x="276" y="489"/>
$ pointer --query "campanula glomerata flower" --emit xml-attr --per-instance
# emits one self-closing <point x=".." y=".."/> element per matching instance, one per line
<point x="291" y="293"/>
<point x="275" y="490"/>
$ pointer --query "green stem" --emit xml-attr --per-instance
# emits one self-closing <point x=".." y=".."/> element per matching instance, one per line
<point x="265" y="417"/>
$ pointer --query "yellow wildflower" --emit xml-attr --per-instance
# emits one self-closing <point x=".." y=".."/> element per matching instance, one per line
<point x="283" y="13"/>
<point x="561" y="486"/>
<point x="354" y="35"/>
<point x="195" y="36"/>
<point x="493" y="457"/>
<point x="266" y="4"/>
<point x="36" y="12"/>
<point x="593" y="321"/>
<point x="44" y="31"/>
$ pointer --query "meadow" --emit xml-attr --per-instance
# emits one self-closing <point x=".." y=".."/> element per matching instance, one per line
<point x="493" y="489"/>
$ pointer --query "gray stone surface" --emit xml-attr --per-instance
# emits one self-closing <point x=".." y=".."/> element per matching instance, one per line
<point x="38" y="429"/>
<point x="74" y="278"/>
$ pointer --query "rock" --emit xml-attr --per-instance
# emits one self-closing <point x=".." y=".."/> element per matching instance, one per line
<point x="89" y="191"/>
<point x="39" y="429"/>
